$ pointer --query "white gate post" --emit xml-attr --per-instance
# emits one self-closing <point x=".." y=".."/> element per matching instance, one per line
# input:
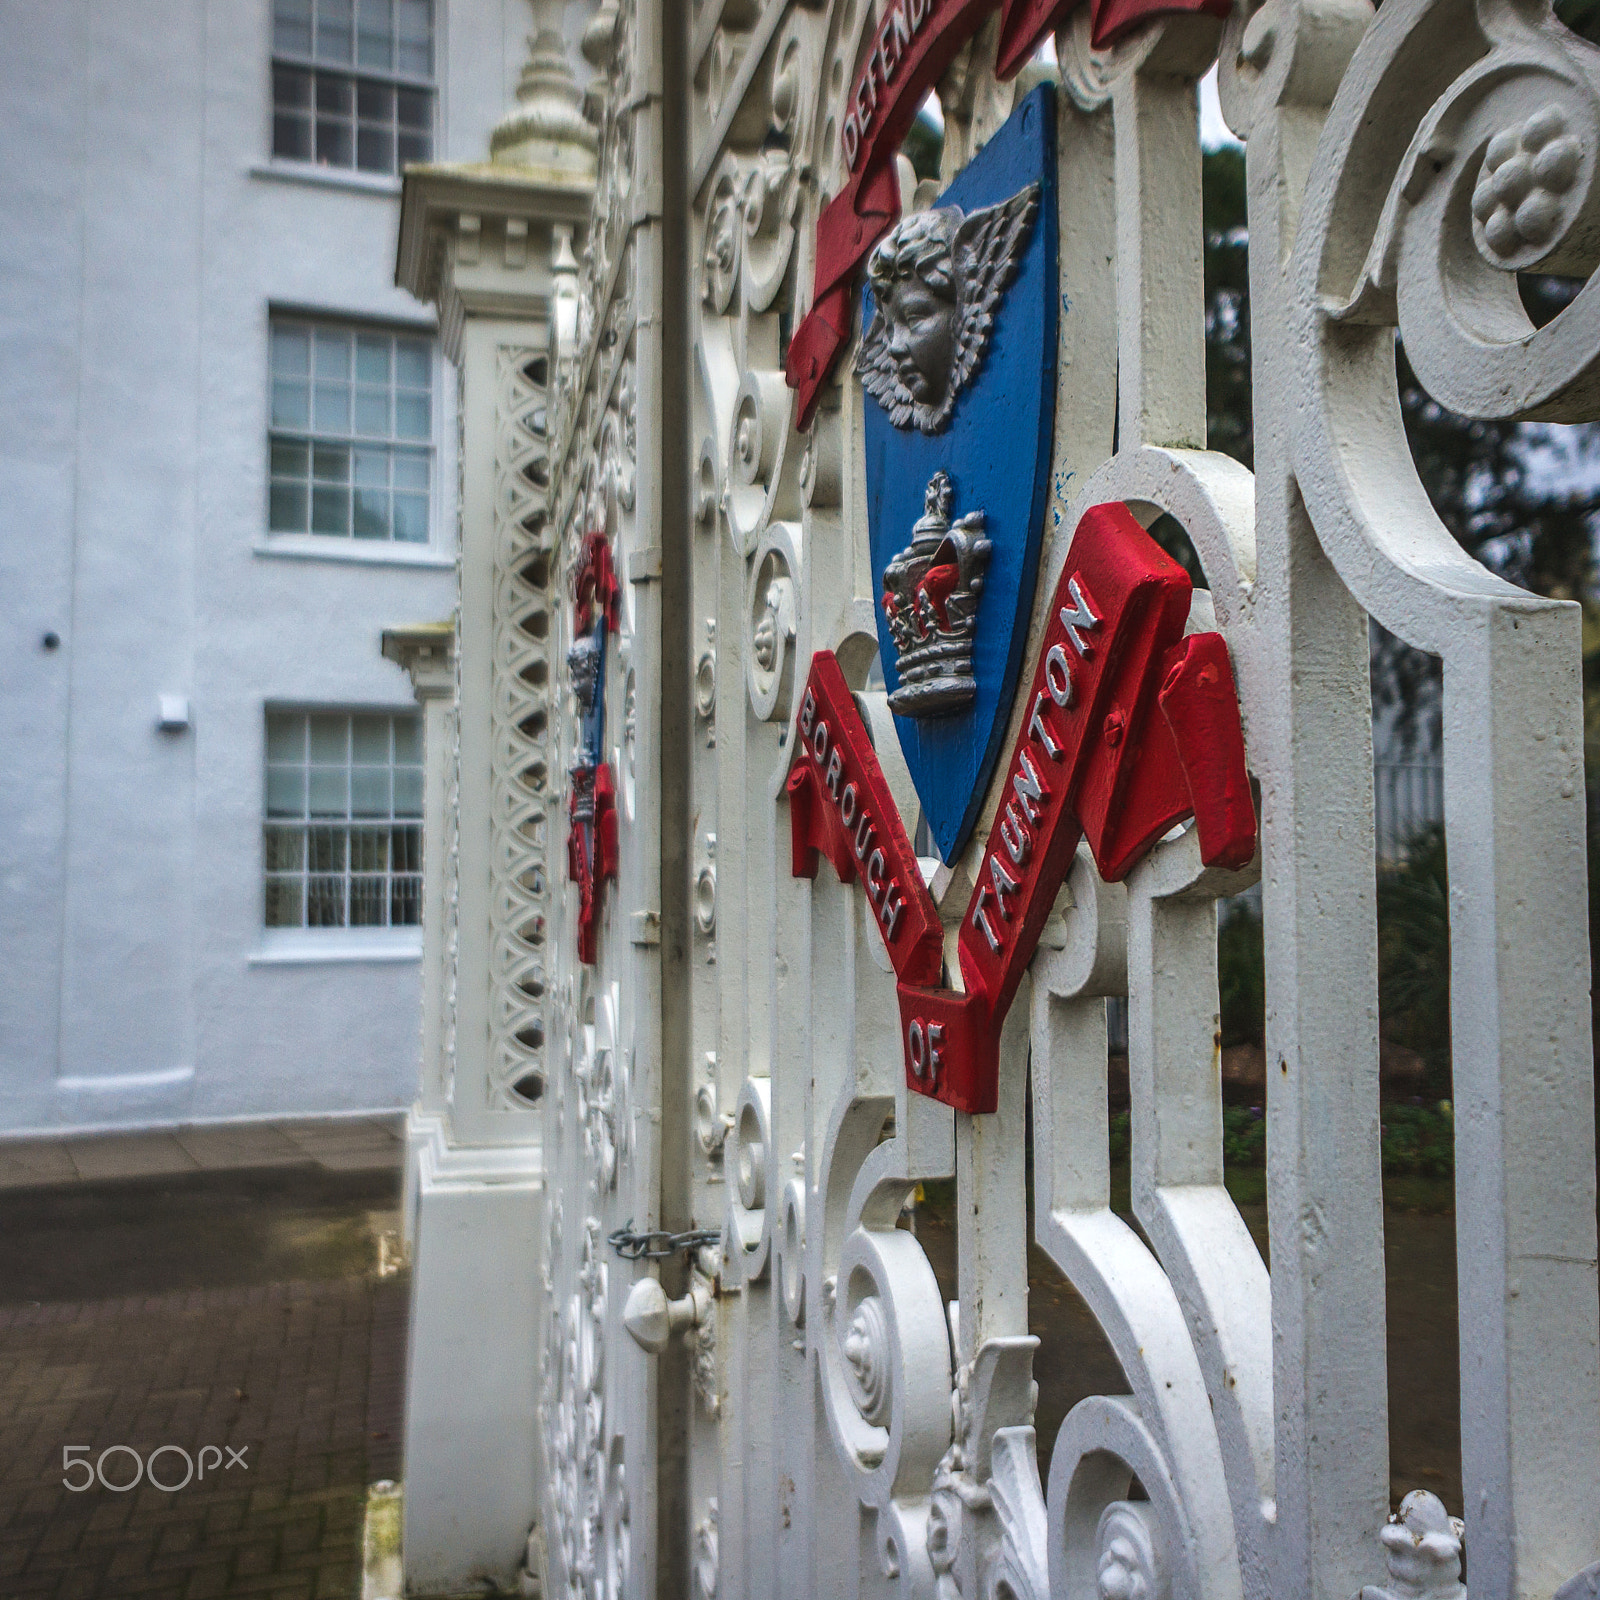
<point x="428" y="653"/>
<point x="482" y="243"/>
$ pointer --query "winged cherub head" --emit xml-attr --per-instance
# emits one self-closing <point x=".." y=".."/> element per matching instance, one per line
<point x="937" y="279"/>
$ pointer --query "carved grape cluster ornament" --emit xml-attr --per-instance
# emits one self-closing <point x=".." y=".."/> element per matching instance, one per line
<point x="1521" y="203"/>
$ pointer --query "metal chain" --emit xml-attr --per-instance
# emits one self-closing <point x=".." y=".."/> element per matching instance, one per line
<point x="633" y="1246"/>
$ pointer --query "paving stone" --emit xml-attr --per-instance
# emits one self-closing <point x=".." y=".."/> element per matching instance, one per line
<point x="323" y="1419"/>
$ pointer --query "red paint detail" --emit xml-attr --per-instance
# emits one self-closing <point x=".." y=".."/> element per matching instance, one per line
<point x="1103" y="766"/>
<point x="968" y="1076"/>
<point x="869" y="204"/>
<point x="1114" y="18"/>
<point x="592" y="855"/>
<point x="1201" y="706"/>
<point x="1131" y="790"/>
<point x="1024" y="24"/>
<point x="595" y="584"/>
<point x="1138" y="597"/>
<point x="933" y="591"/>
<point x="840" y="806"/>
<point x="1023" y="27"/>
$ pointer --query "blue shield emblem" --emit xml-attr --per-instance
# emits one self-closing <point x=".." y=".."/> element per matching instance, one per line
<point x="958" y="358"/>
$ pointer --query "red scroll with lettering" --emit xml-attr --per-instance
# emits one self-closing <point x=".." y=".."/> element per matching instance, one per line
<point x="1129" y="728"/>
<point x="840" y="806"/>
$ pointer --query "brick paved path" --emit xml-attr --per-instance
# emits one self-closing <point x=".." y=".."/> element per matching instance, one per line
<point x="308" y="1377"/>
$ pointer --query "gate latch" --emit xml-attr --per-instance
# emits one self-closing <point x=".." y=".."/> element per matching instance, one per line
<point x="652" y="1318"/>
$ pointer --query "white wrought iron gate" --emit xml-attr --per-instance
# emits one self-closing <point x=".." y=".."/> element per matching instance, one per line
<point x="788" y="1407"/>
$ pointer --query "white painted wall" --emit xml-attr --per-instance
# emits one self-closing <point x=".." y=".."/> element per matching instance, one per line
<point x="143" y="237"/>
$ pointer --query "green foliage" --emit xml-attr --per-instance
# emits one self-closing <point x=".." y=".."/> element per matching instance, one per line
<point x="1241" y="975"/>
<point x="1419" y="1141"/>
<point x="1121" y="1136"/>
<point x="1414" y="954"/>
<point x="1229" y="423"/>
<point x="1244" y="1137"/>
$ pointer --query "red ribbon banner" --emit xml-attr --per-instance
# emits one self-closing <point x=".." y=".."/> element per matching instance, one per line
<point x="1129" y="728"/>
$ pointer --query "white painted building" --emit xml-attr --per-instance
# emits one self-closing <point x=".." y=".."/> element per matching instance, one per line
<point x="168" y="246"/>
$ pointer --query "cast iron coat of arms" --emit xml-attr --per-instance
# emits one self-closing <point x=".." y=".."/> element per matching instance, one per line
<point x="958" y="361"/>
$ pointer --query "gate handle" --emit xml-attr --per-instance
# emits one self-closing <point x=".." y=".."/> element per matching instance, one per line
<point x="652" y="1319"/>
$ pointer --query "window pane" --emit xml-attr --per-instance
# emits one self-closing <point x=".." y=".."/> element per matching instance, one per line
<point x="285" y="849"/>
<point x="291" y="404"/>
<point x="286" y="508"/>
<point x="411" y="518"/>
<point x="407" y="847"/>
<point x="408" y="740"/>
<point x="286" y="736"/>
<point x="372" y="468"/>
<point x="333" y="143"/>
<point x="411" y="416"/>
<point x="333" y="354"/>
<point x="405" y="902"/>
<point x="369" y="739"/>
<point x="330" y="737"/>
<point x="372" y="358"/>
<point x="291" y="27"/>
<point x="410" y="470"/>
<point x="291" y="89"/>
<point x="335" y="96"/>
<point x="326" y="849"/>
<point x="330" y="511"/>
<point x="325" y="903"/>
<point x="372" y="413"/>
<point x="332" y="413"/>
<point x="375" y="102"/>
<point x="374" y="149"/>
<point x="329" y="796"/>
<point x="412" y="369"/>
<point x="414" y="110"/>
<point x="286" y="791"/>
<point x="333" y="30"/>
<point x="375" y="41"/>
<point x="408" y="791"/>
<point x="330" y="462"/>
<point x="413" y="147"/>
<point x="369" y="849"/>
<point x="414" y="19"/>
<point x="368" y="903"/>
<point x="370" y="518"/>
<point x="291" y="458"/>
<point x="285" y="903"/>
<point x="291" y="351"/>
<point x="291" y="137"/>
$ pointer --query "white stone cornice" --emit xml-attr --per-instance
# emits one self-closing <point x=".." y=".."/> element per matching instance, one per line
<point x="427" y="652"/>
<point x="475" y="238"/>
